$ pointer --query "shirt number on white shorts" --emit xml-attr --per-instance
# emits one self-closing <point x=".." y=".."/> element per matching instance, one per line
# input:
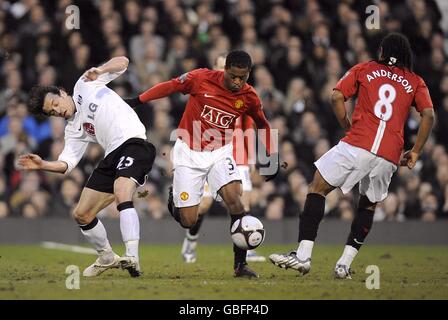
<point x="230" y="164"/>
<point x="383" y="110"/>
<point x="125" y="162"/>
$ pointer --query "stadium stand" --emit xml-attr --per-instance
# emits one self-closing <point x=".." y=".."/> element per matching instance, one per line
<point x="299" y="49"/>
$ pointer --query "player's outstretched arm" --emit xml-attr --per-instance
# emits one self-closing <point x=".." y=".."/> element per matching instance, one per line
<point x="338" y="102"/>
<point x="410" y="157"/>
<point x="184" y="84"/>
<point x="160" y="90"/>
<point x="117" y="64"/>
<point x="34" y="162"/>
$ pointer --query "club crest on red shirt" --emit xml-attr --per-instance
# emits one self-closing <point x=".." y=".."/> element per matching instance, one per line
<point x="89" y="128"/>
<point x="239" y="103"/>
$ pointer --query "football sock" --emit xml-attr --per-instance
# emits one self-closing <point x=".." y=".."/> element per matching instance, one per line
<point x="96" y="235"/>
<point x="239" y="254"/>
<point x="192" y="233"/>
<point x="305" y="249"/>
<point x="347" y="256"/>
<point x="361" y="225"/>
<point x="311" y="216"/>
<point x="130" y="227"/>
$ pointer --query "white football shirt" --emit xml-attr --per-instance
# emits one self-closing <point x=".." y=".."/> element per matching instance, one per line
<point x="102" y="117"/>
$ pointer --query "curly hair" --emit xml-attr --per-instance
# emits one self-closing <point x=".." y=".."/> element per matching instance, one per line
<point x="396" y="50"/>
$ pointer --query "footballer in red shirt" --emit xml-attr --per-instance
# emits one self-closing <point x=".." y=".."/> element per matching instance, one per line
<point x="369" y="154"/>
<point x="203" y="149"/>
<point x="243" y="141"/>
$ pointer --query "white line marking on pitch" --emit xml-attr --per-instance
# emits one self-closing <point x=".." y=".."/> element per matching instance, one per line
<point x="67" y="247"/>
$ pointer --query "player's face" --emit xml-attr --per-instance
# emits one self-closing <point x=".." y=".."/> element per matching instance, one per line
<point x="235" y="78"/>
<point x="59" y="105"/>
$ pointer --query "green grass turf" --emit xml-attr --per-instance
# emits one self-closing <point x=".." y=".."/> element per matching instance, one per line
<point x="407" y="272"/>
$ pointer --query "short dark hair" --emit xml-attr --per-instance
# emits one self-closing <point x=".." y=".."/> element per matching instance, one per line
<point x="239" y="59"/>
<point x="396" y="45"/>
<point x="36" y="98"/>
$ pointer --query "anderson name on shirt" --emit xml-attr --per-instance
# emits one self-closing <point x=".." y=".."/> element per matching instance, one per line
<point x="393" y="76"/>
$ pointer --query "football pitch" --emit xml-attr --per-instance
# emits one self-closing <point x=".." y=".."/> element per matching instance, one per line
<point x="405" y="272"/>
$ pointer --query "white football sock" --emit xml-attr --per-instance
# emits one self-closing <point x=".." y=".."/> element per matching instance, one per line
<point x="130" y="231"/>
<point x="347" y="256"/>
<point x="305" y="249"/>
<point x="97" y="236"/>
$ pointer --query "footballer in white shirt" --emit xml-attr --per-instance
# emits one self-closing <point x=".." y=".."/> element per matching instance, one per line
<point x="95" y="113"/>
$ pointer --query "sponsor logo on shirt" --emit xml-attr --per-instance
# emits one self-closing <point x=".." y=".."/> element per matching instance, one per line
<point x="217" y="117"/>
<point x="89" y="128"/>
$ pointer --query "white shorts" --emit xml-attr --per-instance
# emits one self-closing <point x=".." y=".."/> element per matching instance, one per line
<point x="193" y="168"/>
<point x="206" y="192"/>
<point x="245" y="177"/>
<point x="246" y="183"/>
<point x="345" y="165"/>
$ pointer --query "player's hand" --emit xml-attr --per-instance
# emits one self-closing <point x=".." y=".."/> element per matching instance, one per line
<point x="409" y="159"/>
<point x="92" y="74"/>
<point x="29" y="162"/>
<point x="133" y="102"/>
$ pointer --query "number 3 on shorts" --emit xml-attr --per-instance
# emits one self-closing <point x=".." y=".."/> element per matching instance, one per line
<point x="230" y="164"/>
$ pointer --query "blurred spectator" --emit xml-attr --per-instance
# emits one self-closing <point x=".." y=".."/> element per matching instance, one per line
<point x="300" y="49"/>
<point x="66" y="199"/>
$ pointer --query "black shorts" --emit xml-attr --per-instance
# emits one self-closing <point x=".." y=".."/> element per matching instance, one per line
<point x="133" y="159"/>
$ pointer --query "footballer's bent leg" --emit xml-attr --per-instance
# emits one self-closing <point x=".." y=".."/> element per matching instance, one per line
<point x="230" y="193"/>
<point x="90" y="203"/>
<point x="188" y="216"/>
<point x="252" y="255"/>
<point x="361" y="225"/>
<point x="124" y="188"/>
<point x="309" y="221"/>
<point x="190" y="243"/>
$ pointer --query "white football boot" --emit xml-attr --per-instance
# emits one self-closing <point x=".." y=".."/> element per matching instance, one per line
<point x="99" y="267"/>
<point x="290" y="260"/>
<point x="188" y="251"/>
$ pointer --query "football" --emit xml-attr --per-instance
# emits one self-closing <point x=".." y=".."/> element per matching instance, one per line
<point x="247" y="233"/>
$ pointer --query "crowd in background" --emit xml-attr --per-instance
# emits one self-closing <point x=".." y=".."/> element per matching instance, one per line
<point x="300" y="48"/>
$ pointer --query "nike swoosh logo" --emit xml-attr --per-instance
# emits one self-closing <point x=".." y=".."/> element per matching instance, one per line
<point x="358" y="242"/>
<point x="79" y="128"/>
<point x="231" y="173"/>
<point x="207" y="95"/>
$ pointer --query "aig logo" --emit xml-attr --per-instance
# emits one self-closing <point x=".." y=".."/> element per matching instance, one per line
<point x="217" y="117"/>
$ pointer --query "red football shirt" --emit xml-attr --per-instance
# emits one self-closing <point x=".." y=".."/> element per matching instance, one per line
<point x="385" y="96"/>
<point x="209" y="117"/>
